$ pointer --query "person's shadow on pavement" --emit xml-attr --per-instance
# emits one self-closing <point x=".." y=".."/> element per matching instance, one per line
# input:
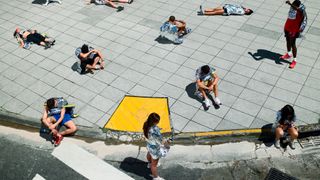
<point x="265" y="54"/>
<point x="38" y="1"/>
<point x="136" y="166"/>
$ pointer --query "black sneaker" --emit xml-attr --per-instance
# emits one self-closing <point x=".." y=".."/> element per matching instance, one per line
<point x="120" y="8"/>
<point x="130" y="1"/>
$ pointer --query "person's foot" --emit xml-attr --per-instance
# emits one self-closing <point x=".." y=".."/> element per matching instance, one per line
<point x="292" y="144"/>
<point x="217" y="101"/>
<point x="75" y="115"/>
<point x="52" y="43"/>
<point x="120" y="8"/>
<point x="293" y="64"/>
<point x="277" y="144"/>
<point x="207" y="102"/>
<point x="158" y="178"/>
<point x="130" y="1"/>
<point x="59" y="2"/>
<point x="58" y="140"/>
<point x="286" y="56"/>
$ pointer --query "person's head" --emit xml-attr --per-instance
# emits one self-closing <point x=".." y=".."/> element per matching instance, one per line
<point x="51" y="103"/>
<point x="296" y="3"/>
<point x="153" y="119"/>
<point x="85" y="48"/>
<point x="287" y="113"/>
<point x="172" y="18"/>
<point x="205" y="69"/>
<point x="247" y="11"/>
<point x="16" y="32"/>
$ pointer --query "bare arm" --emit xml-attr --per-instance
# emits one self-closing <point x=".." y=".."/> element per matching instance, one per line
<point x="85" y="55"/>
<point x="201" y="85"/>
<point x="45" y="116"/>
<point x="216" y="78"/>
<point x="20" y="41"/>
<point x="63" y="111"/>
<point x="293" y="6"/>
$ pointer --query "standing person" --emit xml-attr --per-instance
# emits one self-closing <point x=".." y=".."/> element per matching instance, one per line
<point x="206" y="82"/>
<point x="295" y="24"/>
<point x="154" y="141"/>
<point x="54" y="115"/>
<point x="285" y="123"/>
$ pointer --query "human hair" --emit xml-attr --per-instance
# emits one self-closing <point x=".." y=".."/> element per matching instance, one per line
<point x="153" y="118"/>
<point x="296" y="3"/>
<point x="16" y="32"/>
<point x="172" y="18"/>
<point x="249" y="12"/>
<point x="205" y="69"/>
<point x="50" y="103"/>
<point x="287" y="113"/>
<point x="85" y="48"/>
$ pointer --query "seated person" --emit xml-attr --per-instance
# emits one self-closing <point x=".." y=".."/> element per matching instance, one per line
<point x="206" y="82"/>
<point x="181" y="25"/>
<point x="285" y="123"/>
<point x="55" y="115"/>
<point x="110" y="3"/>
<point x="226" y="10"/>
<point x="89" y="58"/>
<point x="24" y="38"/>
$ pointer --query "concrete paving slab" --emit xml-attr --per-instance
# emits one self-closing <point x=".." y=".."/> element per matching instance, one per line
<point x="139" y="65"/>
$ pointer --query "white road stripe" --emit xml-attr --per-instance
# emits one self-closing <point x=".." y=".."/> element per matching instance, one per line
<point x="38" y="177"/>
<point x="86" y="163"/>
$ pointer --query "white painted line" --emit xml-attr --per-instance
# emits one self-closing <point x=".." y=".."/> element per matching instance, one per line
<point x="86" y="163"/>
<point x="38" y="177"/>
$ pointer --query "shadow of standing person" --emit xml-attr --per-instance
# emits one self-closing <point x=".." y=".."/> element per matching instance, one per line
<point x="265" y="54"/>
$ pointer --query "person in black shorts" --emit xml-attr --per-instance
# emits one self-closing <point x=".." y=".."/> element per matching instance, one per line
<point x="32" y="36"/>
<point x="90" y="59"/>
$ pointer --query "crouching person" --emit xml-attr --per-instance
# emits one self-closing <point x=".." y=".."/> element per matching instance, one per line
<point x="58" y="113"/>
<point x="285" y="126"/>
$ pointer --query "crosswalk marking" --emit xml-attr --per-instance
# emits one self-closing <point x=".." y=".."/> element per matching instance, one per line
<point x="86" y="163"/>
<point x="38" y="177"/>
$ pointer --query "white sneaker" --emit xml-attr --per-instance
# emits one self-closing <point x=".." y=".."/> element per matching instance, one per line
<point x="47" y="2"/>
<point x="277" y="144"/>
<point x="158" y="178"/>
<point x="59" y="2"/>
<point x="207" y="102"/>
<point x="217" y="101"/>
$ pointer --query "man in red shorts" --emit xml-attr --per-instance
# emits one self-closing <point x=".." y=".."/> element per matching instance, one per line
<point x="295" y="24"/>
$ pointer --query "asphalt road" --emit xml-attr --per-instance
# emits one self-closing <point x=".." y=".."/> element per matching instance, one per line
<point x="20" y="160"/>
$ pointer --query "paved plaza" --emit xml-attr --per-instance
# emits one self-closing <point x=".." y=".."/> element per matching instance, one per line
<point x="252" y="86"/>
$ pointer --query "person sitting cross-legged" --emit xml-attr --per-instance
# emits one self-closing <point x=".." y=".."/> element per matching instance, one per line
<point x="207" y="82"/>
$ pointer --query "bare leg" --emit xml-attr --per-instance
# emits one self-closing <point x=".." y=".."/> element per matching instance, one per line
<point x="216" y="12"/>
<point x="213" y="9"/>
<point x="279" y="133"/>
<point x="215" y="90"/>
<point x="293" y="133"/>
<point x="203" y="92"/>
<point x="111" y="3"/>
<point x="154" y="171"/>
<point x="93" y="66"/>
<point x="149" y="157"/>
<point x="71" y="128"/>
<point x="121" y="1"/>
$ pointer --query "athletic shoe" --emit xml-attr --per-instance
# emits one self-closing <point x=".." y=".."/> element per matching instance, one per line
<point x="58" y="140"/>
<point x="130" y="1"/>
<point x="207" y="103"/>
<point x="293" y="64"/>
<point x="292" y="144"/>
<point x="277" y="144"/>
<point x="120" y="8"/>
<point x="59" y="2"/>
<point x="200" y="12"/>
<point x="75" y="115"/>
<point x="158" y="178"/>
<point x="286" y="56"/>
<point x="217" y="101"/>
<point x="47" y="2"/>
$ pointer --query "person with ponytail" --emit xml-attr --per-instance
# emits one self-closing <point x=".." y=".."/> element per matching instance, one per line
<point x="285" y="123"/>
<point x="154" y="141"/>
